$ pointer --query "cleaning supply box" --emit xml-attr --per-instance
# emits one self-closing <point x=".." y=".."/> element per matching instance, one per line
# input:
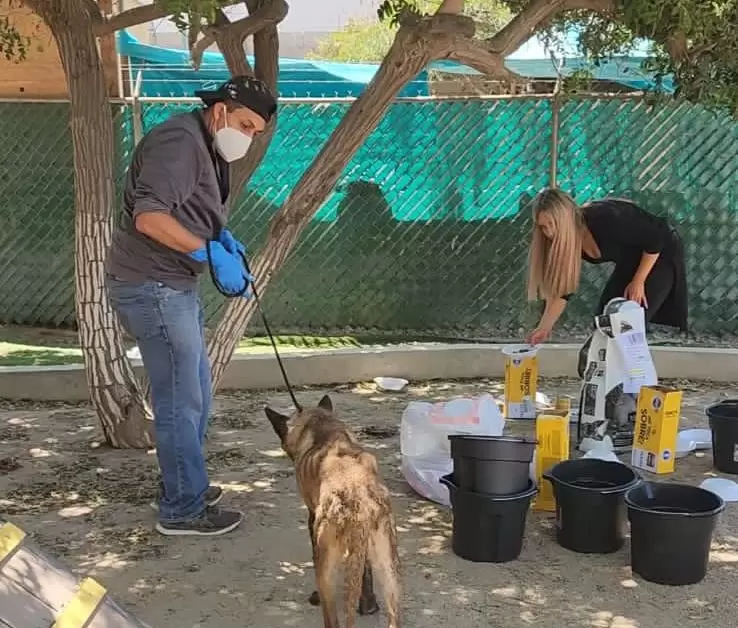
<point x="553" y="434"/>
<point x="521" y="381"/>
<point x="657" y="425"/>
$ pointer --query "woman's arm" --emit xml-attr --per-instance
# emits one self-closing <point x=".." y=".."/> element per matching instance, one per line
<point x="632" y="227"/>
<point x="648" y="260"/>
<point x="552" y="312"/>
<point x="636" y="289"/>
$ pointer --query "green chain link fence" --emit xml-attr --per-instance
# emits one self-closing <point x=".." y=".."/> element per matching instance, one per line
<point x="427" y="229"/>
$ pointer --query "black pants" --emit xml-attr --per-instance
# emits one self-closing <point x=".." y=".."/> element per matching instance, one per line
<point x="658" y="286"/>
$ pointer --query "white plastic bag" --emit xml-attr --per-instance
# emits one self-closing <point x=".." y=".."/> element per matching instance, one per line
<point x="424" y="444"/>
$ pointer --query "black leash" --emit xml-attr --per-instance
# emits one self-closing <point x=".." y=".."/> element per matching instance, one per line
<point x="240" y="293"/>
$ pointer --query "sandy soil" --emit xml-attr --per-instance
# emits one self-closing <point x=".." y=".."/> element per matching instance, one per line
<point x="89" y="506"/>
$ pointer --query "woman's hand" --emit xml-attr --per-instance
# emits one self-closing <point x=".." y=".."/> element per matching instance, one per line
<point x="538" y="336"/>
<point x="636" y="291"/>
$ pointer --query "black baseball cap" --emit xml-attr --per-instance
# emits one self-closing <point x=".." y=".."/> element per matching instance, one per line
<point x="245" y="90"/>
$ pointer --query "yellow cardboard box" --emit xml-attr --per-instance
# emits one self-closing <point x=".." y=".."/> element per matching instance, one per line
<point x="521" y="381"/>
<point x="553" y="435"/>
<point x="656" y="428"/>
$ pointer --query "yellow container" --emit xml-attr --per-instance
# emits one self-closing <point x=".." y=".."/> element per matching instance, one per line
<point x="521" y="381"/>
<point x="657" y="425"/>
<point x="553" y="434"/>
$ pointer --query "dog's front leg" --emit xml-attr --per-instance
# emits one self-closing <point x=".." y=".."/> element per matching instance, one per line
<point x="315" y="596"/>
<point x="368" y="601"/>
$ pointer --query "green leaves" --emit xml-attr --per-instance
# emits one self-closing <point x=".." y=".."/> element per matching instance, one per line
<point x="369" y="40"/>
<point x="694" y="42"/>
<point x="359" y="41"/>
<point x="193" y="12"/>
<point x="391" y="12"/>
<point x="13" y="45"/>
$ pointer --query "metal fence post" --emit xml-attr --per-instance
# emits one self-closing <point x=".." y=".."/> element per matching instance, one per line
<point x="555" y="119"/>
<point x="553" y="173"/>
<point x="136" y="110"/>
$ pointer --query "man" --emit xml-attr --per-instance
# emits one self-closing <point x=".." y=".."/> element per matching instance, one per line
<point x="175" y="210"/>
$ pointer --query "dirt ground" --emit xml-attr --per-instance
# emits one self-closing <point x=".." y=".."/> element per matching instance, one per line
<point x="89" y="507"/>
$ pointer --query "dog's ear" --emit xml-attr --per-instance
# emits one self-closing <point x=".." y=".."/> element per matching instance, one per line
<point x="278" y="421"/>
<point x="326" y="404"/>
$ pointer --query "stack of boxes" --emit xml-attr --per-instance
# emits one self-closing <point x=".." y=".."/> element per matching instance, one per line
<point x="654" y="441"/>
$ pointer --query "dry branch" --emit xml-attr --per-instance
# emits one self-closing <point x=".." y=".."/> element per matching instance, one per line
<point x="472" y="54"/>
<point x="266" y="14"/>
<point x="134" y="17"/>
<point x="537" y="14"/>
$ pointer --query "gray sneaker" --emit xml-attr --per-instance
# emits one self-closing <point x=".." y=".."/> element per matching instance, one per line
<point x="212" y="522"/>
<point x="212" y="496"/>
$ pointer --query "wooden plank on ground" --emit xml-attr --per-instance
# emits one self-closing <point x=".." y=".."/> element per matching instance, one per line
<point x="10" y="539"/>
<point x="110" y="615"/>
<point x="81" y="608"/>
<point x="49" y="581"/>
<point x="21" y="609"/>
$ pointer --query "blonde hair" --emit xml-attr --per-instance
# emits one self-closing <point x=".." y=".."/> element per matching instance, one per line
<point x="554" y="265"/>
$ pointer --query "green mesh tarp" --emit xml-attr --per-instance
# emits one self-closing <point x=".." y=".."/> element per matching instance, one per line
<point x="427" y="229"/>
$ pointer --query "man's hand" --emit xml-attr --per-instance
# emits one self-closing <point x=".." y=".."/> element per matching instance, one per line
<point x="230" y="244"/>
<point x="227" y="268"/>
<point x="636" y="291"/>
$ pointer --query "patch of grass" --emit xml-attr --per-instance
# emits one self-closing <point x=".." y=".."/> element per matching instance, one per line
<point x="29" y="355"/>
<point x="261" y="344"/>
<point x="15" y="354"/>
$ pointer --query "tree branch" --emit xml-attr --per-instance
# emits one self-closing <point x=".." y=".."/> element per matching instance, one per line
<point x="453" y="7"/>
<point x="677" y="47"/>
<point x="470" y="53"/>
<point x="94" y="11"/>
<point x="536" y="14"/>
<point x="130" y="17"/>
<point x="266" y="14"/>
<point x="198" y="47"/>
<point x="134" y="17"/>
<point x="489" y="57"/>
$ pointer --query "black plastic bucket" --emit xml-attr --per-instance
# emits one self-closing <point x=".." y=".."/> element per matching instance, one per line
<point x="495" y="465"/>
<point x="723" y="417"/>
<point x="671" y="527"/>
<point x="488" y="528"/>
<point x="591" y="516"/>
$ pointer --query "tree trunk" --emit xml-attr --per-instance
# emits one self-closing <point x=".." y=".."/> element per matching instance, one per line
<point x="414" y="47"/>
<point x="115" y="394"/>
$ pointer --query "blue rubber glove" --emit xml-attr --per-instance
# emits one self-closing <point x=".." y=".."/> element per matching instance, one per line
<point x="233" y="246"/>
<point x="227" y="268"/>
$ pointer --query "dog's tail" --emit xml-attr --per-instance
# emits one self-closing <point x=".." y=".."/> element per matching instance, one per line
<point x="385" y="563"/>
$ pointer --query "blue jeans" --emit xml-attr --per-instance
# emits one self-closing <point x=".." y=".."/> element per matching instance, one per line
<point x="168" y="327"/>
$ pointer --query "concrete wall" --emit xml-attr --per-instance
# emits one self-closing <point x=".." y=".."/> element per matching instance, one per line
<point x="420" y="362"/>
<point x="40" y="75"/>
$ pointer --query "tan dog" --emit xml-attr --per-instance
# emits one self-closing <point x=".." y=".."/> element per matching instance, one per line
<point x="349" y="513"/>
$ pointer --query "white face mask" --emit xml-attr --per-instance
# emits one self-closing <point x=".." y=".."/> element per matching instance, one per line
<point x="231" y="143"/>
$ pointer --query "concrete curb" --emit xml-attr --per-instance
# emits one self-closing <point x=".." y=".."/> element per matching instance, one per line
<point x="339" y="366"/>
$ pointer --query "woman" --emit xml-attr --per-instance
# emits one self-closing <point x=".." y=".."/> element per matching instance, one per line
<point x="647" y="252"/>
